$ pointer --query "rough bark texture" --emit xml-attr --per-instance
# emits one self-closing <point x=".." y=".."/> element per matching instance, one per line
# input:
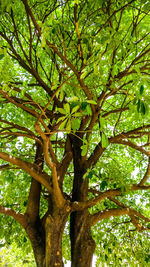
<point x="46" y="238"/>
<point x="36" y="235"/>
<point x="82" y="243"/>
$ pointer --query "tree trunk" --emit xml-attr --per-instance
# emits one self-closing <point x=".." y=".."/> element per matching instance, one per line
<point x="82" y="243"/>
<point x="54" y="227"/>
<point x="36" y="235"/>
<point x="46" y="238"/>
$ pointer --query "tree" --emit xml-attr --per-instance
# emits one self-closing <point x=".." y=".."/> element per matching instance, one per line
<point x="74" y="134"/>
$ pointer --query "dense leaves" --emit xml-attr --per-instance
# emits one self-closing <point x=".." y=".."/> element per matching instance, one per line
<point x="74" y="117"/>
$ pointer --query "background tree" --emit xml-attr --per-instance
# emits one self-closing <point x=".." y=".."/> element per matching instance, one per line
<point x="74" y="133"/>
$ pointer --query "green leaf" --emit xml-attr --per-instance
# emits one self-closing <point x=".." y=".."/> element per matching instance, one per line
<point x="43" y="41"/>
<point x="141" y="89"/>
<point x="91" y="102"/>
<point x="105" y="141"/>
<point x="24" y="239"/>
<point x="148" y="226"/>
<point x="75" y="109"/>
<point x="62" y="125"/>
<point x="110" y="250"/>
<point x="138" y="105"/>
<point x="68" y="126"/>
<point x="103" y="185"/>
<point x="77" y="114"/>
<point x="62" y="111"/>
<point x="85" y="41"/>
<point x="1" y="56"/>
<point x="67" y="108"/>
<point x="102" y="122"/>
<point x="122" y="188"/>
<point x="90" y="175"/>
<point x="88" y="110"/>
<point x="143" y="109"/>
<point x="53" y="30"/>
<point x="84" y="105"/>
<point x="73" y="99"/>
<point x="106" y="257"/>
<point x="61" y="119"/>
<point x="54" y="87"/>
<point x="84" y="150"/>
<point x="75" y="124"/>
<point x="147" y="258"/>
<point x="84" y="73"/>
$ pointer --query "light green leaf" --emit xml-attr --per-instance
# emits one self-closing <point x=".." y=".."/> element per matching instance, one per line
<point x="43" y="41"/>
<point x="75" y="123"/>
<point x="105" y="141"/>
<point x="61" y="110"/>
<point x="102" y="122"/>
<point x="73" y="99"/>
<point x="62" y="125"/>
<point x="67" y="108"/>
<point x="68" y="126"/>
<point x="84" y="150"/>
<point x="75" y="109"/>
<point x="84" y="73"/>
<point x="77" y="114"/>
<point x="61" y="119"/>
<point x="54" y="87"/>
<point x="91" y="102"/>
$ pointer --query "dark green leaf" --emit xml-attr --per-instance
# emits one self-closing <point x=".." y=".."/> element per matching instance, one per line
<point x="1" y="56"/>
<point x="141" y="89"/>
<point x="148" y="226"/>
<point x="103" y="185"/>
<point x="84" y="105"/>
<point x="138" y="105"/>
<point x="143" y="110"/>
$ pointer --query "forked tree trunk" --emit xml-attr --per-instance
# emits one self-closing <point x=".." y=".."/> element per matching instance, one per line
<point x="46" y="239"/>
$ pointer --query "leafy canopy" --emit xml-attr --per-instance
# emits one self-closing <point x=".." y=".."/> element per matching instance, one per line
<point x="78" y="69"/>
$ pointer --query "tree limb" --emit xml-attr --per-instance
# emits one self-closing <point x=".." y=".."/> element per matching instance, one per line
<point x="30" y="168"/>
<point x="20" y="218"/>
<point x="101" y="215"/>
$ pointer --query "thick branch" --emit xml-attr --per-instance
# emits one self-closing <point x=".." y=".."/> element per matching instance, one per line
<point x="59" y="199"/>
<point x="16" y="215"/>
<point x="147" y="174"/>
<point x="30" y="168"/>
<point x="35" y="188"/>
<point x="101" y="196"/>
<point x="63" y="166"/>
<point x="95" y="218"/>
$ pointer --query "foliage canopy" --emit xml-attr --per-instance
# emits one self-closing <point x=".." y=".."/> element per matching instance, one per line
<point x="75" y="129"/>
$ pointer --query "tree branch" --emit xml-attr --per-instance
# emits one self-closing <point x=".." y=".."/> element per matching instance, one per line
<point x="147" y="174"/>
<point x="33" y="204"/>
<point x="95" y="218"/>
<point x="30" y="168"/>
<point x="20" y="218"/>
<point x="61" y="56"/>
<point x="59" y="199"/>
<point x="107" y="194"/>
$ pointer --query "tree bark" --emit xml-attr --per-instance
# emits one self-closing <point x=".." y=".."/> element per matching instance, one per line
<point x="36" y="235"/>
<point x="82" y="243"/>
<point x="46" y="238"/>
<point x="46" y="234"/>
